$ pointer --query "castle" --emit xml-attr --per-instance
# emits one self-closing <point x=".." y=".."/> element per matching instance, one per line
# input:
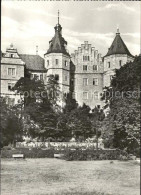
<point x="85" y="72"/>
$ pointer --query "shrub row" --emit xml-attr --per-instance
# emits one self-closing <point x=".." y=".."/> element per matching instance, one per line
<point x="95" y="155"/>
<point x="29" y="153"/>
<point x="76" y="154"/>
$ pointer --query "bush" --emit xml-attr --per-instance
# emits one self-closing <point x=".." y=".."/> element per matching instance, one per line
<point x="93" y="154"/>
<point x="29" y="153"/>
<point x="69" y="154"/>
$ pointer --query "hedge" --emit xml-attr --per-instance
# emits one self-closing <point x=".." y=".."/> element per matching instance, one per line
<point x="75" y="154"/>
<point x="95" y="155"/>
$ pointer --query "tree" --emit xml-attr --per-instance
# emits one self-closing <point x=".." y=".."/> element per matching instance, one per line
<point x="11" y="126"/>
<point x="40" y="106"/>
<point x="97" y="116"/>
<point x="123" y="97"/>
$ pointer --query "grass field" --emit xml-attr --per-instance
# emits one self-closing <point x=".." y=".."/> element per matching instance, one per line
<point x="59" y="177"/>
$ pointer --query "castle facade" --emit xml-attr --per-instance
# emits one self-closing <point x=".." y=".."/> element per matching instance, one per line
<point x="84" y="73"/>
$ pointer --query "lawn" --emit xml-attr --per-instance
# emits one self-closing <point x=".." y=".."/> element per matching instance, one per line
<point x="58" y="177"/>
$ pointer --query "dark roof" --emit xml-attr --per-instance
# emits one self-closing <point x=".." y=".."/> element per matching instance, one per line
<point x="118" y="47"/>
<point x="33" y="62"/>
<point x="57" y="44"/>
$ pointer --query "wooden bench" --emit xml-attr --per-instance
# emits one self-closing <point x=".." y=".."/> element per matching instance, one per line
<point x="58" y="155"/>
<point x="17" y="156"/>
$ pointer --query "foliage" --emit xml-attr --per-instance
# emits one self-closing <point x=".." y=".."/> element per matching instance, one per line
<point x="121" y="128"/>
<point x="88" y="154"/>
<point x="11" y="125"/>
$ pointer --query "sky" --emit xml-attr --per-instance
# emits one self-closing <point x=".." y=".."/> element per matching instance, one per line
<point x="30" y="23"/>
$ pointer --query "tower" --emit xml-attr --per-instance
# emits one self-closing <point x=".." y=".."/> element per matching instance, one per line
<point x="117" y="55"/>
<point x="57" y="59"/>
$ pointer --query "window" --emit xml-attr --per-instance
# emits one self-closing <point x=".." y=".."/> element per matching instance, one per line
<point x="120" y="63"/>
<point x="56" y="77"/>
<point x="10" y="86"/>
<point x="95" y="81"/>
<point x="98" y="106"/>
<point x="85" y="81"/>
<point x="96" y="95"/>
<point x="85" y="95"/>
<point x="47" y="62"/>
<point x="109" y="65"/>
<point x="41" y="77"/>
<point x="66" y="78"/>
<point x="11" y="55"/>
<point x="94" y="67"/>
<point x="66" y="63"/>
<point x="86" y="58"/>
<point x="85" y="67"/>
<point x="57" y="61"/>
<point x="11" y="71"/>
<point x="72" y="82"/>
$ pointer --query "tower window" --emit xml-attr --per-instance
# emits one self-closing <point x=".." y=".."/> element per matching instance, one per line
<point x="94" y="67"/>
<point x="57" y="61"/>
<point x="120" y="63"/>
<point x="10" y="86"/>
<point x="66" y="63"/>
<point x="85" y="81"/>
<point x="95" y="81"/>
<point x="72" y="81"/>
<point x="47" y="62"/>
<point x="66" y="78"/>
<point x="56" y="77"/>
<point x="85" y="95"/>
<point x="85" y="67"/>
<point x="109" y="65"/>
<point x="11" y="71"/>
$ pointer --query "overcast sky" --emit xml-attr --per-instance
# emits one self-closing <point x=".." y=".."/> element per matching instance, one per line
<point x="30" y="23"/>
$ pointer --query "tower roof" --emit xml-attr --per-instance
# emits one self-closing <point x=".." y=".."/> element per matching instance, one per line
<point x="58" y="43"/>
<point x="118" y="46"/>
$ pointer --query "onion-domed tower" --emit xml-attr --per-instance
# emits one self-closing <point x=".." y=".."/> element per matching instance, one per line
<point x="57" y="59"/>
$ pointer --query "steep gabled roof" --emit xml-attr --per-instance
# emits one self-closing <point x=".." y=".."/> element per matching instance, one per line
<point x="118" y="47"/>
<point x="58" y="43"/>
<point x="33" y="62"/>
